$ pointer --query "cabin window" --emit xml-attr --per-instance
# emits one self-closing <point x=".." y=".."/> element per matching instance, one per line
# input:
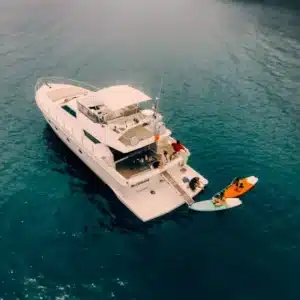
<point x="83" y="109"/>
<point x="93" y="117"/>
<point x="93" y="139"/>
<point x="69" y="110"/>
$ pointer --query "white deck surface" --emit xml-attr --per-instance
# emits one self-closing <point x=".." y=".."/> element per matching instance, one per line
<point x="61" y="92"/>
<point x="149" y="206"/>
<point x="189" y="173"/>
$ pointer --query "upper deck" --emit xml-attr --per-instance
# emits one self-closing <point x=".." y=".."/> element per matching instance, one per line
<point x="112" y="115"/>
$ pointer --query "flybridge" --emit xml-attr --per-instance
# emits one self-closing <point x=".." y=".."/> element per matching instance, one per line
<point x="116" y="97"/>
<point x="117" y="108"/>
<point x="110" y="103"/>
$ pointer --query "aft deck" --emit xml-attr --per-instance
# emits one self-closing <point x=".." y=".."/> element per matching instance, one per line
<point x="129" y="172"/>
<point x="153" y="201"/>
<point x="163" y="194"/>
<point x="135" y="165"/>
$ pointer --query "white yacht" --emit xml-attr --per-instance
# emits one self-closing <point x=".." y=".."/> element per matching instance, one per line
<point x="120" y="135"/>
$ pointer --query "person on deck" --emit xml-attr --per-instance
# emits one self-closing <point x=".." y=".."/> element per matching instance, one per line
<point x="220" y="200"/>
<point x="195" y="183"/>
<point x="165" y="157"/>
<point x="177" y="147"/>
<point x="156" y="164"/>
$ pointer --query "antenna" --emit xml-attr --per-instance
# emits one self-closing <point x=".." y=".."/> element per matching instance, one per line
<point x="156" y="130"/>
<point x="158" y="97"/>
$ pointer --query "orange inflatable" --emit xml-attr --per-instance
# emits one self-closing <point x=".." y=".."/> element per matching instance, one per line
<point x="244" y="186"/>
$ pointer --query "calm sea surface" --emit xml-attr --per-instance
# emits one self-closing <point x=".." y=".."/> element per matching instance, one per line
<point x="231" y="94"/>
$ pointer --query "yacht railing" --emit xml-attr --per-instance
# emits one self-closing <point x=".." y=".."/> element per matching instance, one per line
<point x="61" y="80"/>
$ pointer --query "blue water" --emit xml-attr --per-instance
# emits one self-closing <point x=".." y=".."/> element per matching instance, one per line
<point x="231" y="94"/>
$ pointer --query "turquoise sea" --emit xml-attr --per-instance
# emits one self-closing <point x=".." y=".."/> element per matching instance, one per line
<point x="231" y="94"/>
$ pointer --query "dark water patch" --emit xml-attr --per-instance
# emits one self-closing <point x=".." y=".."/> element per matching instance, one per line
<point x="271" y="3"/>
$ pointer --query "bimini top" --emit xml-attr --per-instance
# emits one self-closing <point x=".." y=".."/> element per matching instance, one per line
<point x="115" y="97"/>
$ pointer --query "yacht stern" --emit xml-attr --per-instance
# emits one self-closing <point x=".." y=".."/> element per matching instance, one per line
<point x="166" y="192"/>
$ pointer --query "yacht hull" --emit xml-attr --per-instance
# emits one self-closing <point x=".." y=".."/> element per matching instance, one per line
<point x="147" y="199"/>
<point x="141" y="202"/>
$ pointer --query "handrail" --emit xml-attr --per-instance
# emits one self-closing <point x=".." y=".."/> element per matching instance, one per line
<point x="54" y="79"/>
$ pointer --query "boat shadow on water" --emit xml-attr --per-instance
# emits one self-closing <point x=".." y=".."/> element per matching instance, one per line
<point x="114" y="216"/>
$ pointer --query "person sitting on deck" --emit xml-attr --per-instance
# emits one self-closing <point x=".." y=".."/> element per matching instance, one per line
<point x="177" y="147"/>
<point x="220" y="200"/>
<point x="156" y="164"/>
<point x="194" y="183"/>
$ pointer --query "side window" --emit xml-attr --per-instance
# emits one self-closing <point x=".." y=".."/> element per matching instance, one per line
<point x="89" y="136"/>
<point x="69" y="110"/>
<point x="93" y="117"/>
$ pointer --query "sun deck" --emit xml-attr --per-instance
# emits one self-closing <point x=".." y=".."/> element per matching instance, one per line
<point x="138" y="132"/>
<point x="64" y="92"/>
<point x="126" y="119"/>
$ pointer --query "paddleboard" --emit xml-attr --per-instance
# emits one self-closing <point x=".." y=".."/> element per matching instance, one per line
<point x="207" y="205"/>
<point x="247" y="184"/>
